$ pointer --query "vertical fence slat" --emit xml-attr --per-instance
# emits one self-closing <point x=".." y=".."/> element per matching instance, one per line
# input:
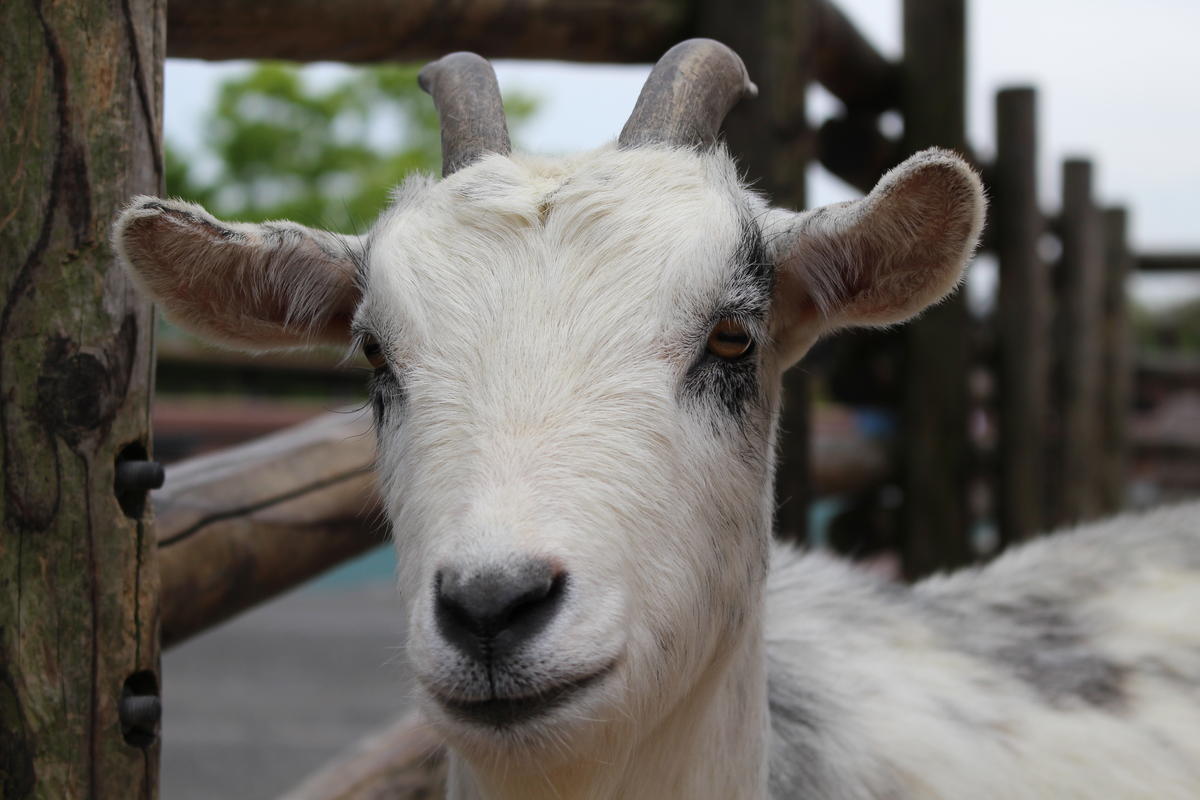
<point x="80" y="132"/>
<point x="771" y="138"/>
<point x="1116" y="369"/>
<point x="1022" y="314"/>
<point x="1080" y="287"/>
<point x="935" y="450"/>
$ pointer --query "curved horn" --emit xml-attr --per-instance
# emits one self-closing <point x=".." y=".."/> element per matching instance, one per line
<point x="464" y="89"/>
<point x="689" y="92"/>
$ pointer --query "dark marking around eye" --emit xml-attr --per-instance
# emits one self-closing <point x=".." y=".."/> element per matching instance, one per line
<point x="386" y="392"/>
<point x="754" y="279"/>
<point x="732" y="385"/>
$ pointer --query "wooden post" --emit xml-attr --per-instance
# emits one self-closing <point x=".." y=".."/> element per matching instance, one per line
<point x="1022" y="316"/>
<point x="935" y="451"/>
<point x="1116" y="368"/>
<point x="771" y="139"/>
<point x="80" y="107"/>
<point x="1080" y="285"/>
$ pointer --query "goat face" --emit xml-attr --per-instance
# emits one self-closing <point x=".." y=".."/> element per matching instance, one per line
<point x="577" y="379"/>
<point x="579" y="483"/>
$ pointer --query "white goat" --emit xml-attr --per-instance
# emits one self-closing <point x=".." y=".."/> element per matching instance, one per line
<point x="577" y="383"/>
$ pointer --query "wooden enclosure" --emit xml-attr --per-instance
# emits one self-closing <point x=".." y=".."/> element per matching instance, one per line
<point x="82" y="557"/>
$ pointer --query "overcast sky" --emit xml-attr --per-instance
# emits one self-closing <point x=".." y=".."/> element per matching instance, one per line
<point x="1116" y="80"/>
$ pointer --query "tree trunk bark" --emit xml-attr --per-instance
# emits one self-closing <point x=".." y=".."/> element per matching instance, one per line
<point x="80" y="107"/>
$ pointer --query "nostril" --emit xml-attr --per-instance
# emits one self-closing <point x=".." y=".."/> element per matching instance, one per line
<point x="540" y="600"/>
<point x="494" y="610"/>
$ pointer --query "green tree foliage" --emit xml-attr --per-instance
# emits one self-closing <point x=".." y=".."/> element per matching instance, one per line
<point x="323" y="156"/>
<point x="1170" y="331"/>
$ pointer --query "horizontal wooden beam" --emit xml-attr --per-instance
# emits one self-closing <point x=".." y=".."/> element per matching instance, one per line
<point x="849" y="66"/>
<point x="613" y="31"/>
<point x="1167" y="262"/>
<point x="188" y="369"/>
<point x="1183" y="370"/>
<point x="386" y="30"/>
<point x="240" y="526"/>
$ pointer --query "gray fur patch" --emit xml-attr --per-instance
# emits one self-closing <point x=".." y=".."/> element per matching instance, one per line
<point x="797" y="766"/>
<point x="806" y="734"/>
<point x="1036" y="639"/>
<point x="1052" y="654"/>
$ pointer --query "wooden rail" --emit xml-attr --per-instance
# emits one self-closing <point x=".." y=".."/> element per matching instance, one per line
<point x="1167" y="262"/>
<point x="242" y="525"/>
<point x="621" y="31"/>
<point x="194" y="370"/>
<point x="848" y="65"/>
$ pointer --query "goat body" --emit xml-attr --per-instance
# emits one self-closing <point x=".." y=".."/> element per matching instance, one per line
<point x="1068" y="668"/>
<point x="576" y="393"/>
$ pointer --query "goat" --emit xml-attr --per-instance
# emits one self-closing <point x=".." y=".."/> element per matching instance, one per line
<point x="576" y="388"/>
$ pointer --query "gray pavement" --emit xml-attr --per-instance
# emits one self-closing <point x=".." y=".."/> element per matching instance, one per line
<point x="260" y="702"/>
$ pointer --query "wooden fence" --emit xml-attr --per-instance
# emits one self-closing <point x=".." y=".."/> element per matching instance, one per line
<point x="82" y="610"/>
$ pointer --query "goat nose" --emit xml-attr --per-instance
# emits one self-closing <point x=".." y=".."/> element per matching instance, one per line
<point x="492" y="611"/>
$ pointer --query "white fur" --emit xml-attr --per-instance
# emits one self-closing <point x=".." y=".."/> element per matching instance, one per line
<point x="546" y="395"/>
<point x="995" y="683"/>
<point x="541" y="418"/>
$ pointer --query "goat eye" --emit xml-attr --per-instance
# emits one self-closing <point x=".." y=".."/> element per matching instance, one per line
<point x="729" y="339"/>
<point x="374" y="353"/>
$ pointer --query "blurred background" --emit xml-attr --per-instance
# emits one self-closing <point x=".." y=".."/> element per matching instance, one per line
<point x="254" y="705"/>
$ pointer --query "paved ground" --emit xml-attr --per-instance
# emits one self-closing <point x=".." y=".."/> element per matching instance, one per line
<point x="254" y="706"/>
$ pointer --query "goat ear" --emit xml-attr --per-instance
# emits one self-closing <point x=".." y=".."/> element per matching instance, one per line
<point x="252" y="287"/>
<point x="879" y="260"/>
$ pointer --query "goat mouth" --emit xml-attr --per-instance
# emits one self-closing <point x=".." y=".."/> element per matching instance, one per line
<point x="503" y="712"/>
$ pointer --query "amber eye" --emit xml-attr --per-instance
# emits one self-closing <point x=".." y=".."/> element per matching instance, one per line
<point x="373" y="352"/>
<point x="729" y="339"/>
